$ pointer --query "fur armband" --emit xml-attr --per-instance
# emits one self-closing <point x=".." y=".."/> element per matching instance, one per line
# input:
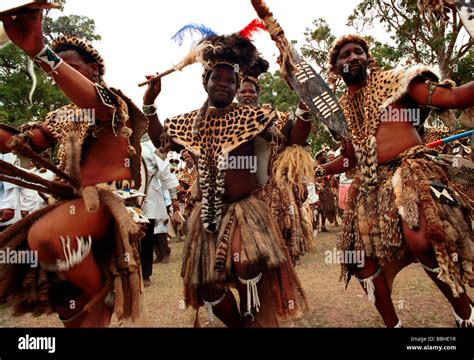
<point x="149" y="110"/>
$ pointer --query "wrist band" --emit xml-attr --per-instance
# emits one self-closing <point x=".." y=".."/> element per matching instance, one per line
<point x="320" y="171"/>
<point x="149" y="110"/>
<point x="49" y="57"/>
<point x="302" y="114"/>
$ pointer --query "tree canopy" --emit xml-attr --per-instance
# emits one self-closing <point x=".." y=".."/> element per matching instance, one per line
<point x="16" y="82"/>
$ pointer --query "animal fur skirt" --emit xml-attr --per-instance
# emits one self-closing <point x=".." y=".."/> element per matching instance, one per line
<point x="208" y="259"/>
<point x="410" y="187"/>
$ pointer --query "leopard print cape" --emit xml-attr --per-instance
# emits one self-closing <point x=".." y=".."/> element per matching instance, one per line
<point x="222" y="130"/>
<point x="363" y="111"/>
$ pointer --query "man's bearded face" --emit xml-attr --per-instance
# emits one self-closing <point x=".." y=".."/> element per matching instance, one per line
<point x="351" y="64"/>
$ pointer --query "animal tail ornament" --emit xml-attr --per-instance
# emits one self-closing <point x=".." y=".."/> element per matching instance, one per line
<point x="31" y="72"/>
<point x="286" y="59"/>
<point x="4" y="40"/>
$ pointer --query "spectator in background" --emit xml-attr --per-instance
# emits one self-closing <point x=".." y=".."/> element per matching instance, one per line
<point x="32" y="200"/>
<point x="9" y="197"/>
<point x="154" y="206"/>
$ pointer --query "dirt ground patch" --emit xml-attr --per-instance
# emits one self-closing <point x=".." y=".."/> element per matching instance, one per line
<point x="417" y="300"/>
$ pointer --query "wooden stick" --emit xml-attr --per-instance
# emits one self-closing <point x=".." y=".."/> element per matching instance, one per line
<point x="22" y="148"/>
<point x="159" y="76"/>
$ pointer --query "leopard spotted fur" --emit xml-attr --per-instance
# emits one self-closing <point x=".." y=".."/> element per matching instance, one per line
<point x="221" y="131"/>
<point x="81" y="44"/>
<point x="364" y="108"/>
<point x="127" y="121"/>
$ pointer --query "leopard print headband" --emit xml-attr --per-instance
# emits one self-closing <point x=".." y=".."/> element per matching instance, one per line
<point x="84" y="46"/>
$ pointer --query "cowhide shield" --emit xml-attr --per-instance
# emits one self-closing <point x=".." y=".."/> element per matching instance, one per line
<point x="318" y="96"/>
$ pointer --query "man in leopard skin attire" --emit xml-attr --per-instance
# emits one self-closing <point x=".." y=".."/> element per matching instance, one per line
<point x="402" y="206"/>
<point x="86" y="239"/>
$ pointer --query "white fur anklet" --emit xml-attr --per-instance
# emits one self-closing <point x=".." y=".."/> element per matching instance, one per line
<point x="253" y="301"/>
<point x="465" y="323"/>
<point x="368" y="284"/>
<point x="209" y="304"/>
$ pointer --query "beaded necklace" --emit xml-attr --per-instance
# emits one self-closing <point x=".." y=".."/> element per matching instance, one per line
<point x="363" y="120"/>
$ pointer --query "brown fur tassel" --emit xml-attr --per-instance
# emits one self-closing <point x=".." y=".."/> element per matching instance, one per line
<point x="23" y="178"/>
<point x="128" y="228"/>
<point x="126" y="262"/>
<point x="224" y="243"/>
<point x="73" y="159"/>
<point x="26" y="288"/>
<point x="91" y="198"/>
<point x="119" y="297"/>
<point x="135" y="289"/>
<point x="277" y="34"/>
<point x="406" y="193"/>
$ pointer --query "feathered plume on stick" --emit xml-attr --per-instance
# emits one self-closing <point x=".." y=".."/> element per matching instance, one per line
<point x="286" y="59"/>
<point x="199" y="47"/>
<point x="189" y="59"/>
<point x="194" y="54"/>
<point x="201" y="29"/>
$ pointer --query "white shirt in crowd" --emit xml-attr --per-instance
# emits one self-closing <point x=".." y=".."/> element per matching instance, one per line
<point x="10" y="193"/>
<point x="160" y="181"/>
<point x="313" y="197"/>
<point x="344" y="180"/>
<point x="30" y="200"/>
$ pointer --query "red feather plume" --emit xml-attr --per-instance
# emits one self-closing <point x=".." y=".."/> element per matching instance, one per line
<point x="255" y="26"/>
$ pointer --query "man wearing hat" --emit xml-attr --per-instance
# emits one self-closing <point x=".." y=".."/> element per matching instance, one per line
<point x="401" y="205"/>
<point x="86" y="239"/>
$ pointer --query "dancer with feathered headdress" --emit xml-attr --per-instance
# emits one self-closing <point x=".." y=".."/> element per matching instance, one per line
<point x="232" y="237"/>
